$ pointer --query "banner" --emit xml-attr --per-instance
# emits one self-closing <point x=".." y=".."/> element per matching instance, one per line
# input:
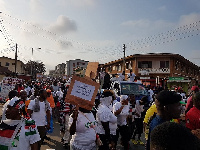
<point x="82" y="92"/>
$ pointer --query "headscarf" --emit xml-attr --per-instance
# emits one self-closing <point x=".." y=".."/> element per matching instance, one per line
<point x="17" y="103"/>
<point x="123" y="97"/>
<point x="106" y="100"/>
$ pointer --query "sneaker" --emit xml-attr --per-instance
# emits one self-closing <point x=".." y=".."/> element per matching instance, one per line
<point x="134" y="142"/>
<point x="140" y="142"/>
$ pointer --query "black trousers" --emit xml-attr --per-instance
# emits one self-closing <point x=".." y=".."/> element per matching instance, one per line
<point x="105" y="142"/>
<point x="125" y="135"/>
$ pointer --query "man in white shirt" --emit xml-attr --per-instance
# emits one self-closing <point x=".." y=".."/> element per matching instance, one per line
<point x="106" y="120"/>
<point x="139" y="108"/>
<point x="121" y="110"/>
<point x="38" y="109"/>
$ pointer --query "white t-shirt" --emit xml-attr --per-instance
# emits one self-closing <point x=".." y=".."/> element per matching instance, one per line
<point x="121" y="118"/>
<point x="151" y="93"/>
<point x="55" y="88"/>
<point x="85" y="136"/>
<point x="27" y="136"/>
<point x="4" y="110"/>
<point x="27" y="89"/>
<point x="138" y="109"/>
<point x="104" y="114"/>
<point x="39" y="117"/>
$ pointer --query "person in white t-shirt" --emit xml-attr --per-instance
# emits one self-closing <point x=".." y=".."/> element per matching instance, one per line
<point x="139" y="108"/>
<point x="18" y="132"/>
<point x="106" y="120"/>
<point x="39" y="109"/>
<point x="121" y="110"/>
<point x="131" y="76"/>
<point x="82" y="127"/>
<point x="150" y="91"/>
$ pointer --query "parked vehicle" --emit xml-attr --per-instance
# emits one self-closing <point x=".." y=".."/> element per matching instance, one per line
<point x="127" y="88"/>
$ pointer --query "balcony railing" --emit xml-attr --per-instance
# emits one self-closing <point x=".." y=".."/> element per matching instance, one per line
<point x="146" y="71"/>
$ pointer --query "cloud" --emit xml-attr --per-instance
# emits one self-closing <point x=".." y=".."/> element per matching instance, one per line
<point x="64" y="44"/>
<point x="187" y="19"/>
<point x="63" y="25"/>
<point x="144" y="27"/>
<point x="78" y="3"/>
<point x="35" y="5"/>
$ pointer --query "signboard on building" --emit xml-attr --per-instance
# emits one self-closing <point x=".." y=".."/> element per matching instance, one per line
<point x="143" y="78"/>
<point x="82" y="92"/>
<point x="176" y="78"/>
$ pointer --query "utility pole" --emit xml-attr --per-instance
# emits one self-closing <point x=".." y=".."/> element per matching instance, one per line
<point x="16" y="62"/>
<point x="32" y="65"/>
<point x="124" y="50"/>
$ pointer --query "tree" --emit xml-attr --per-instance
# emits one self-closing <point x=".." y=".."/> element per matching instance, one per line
<point x="34" y="67"/>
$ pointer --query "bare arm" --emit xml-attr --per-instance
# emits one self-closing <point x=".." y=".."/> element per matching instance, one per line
<point x="118" y="111"/>
<point x="34" y="146"/>
<point x="72" y="128"/>
<point x="48" y="119"/>
<point x="30" y="112"/>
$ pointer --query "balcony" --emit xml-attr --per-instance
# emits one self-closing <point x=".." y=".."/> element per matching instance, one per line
<point x="147" y="71"/>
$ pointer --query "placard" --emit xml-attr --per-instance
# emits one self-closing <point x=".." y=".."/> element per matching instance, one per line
<point x="82" y="92"/>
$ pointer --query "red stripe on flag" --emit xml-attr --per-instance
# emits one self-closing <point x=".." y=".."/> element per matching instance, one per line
<point x="6" y="133"/>
<point x="32" y="126"/>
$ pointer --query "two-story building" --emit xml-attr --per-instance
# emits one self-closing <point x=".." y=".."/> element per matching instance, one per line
<point x="158" y="69"/>
<point x="10" y="64"/>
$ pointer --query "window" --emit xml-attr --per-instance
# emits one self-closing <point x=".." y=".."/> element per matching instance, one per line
<point x="7" y="64"/>
<point x="113" y="68"/>
<point x="164" y="64"/>
<point x="0" y="63"/>
<point x="144" y="64"/>
<point x="13" y="63"/>
<point x="119" y="68"/>
<point x="127" y="65"/>
<point x="83" y="63"/>
<point x="73" y="64"/>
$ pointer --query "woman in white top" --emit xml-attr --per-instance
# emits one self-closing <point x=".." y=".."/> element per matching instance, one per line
<point x="18" y="132"/>
<point x="121" y="110"/>
<point x="106" y="120"/>
<point x="82" y="126"/>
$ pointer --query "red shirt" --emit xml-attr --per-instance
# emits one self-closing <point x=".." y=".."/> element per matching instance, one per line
<point x="193" y="118"/>
<point x="189" y="104"/>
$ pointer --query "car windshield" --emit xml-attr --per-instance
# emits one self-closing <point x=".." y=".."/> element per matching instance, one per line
<point x="131" y="88"/>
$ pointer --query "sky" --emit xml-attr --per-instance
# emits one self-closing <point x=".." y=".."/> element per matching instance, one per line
<point x="95" y="30"/>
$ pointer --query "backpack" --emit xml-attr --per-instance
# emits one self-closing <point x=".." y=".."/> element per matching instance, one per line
<point x="36" y="107"/>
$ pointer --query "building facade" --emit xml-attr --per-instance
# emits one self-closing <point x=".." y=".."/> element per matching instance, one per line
<point x="157" y="69"/>
<point x="60" y="70"/>
<point x="73" y="65"/>
<point x="10" y="64"/>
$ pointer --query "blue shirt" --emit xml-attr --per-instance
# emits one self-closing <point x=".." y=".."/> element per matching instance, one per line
<point x="156" y="121"/>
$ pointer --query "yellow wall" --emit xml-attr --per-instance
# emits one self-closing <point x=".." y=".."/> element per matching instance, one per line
<point x="11" y="67"/>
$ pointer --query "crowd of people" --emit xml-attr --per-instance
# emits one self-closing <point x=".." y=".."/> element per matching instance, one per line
<point x="30" y="109"/>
